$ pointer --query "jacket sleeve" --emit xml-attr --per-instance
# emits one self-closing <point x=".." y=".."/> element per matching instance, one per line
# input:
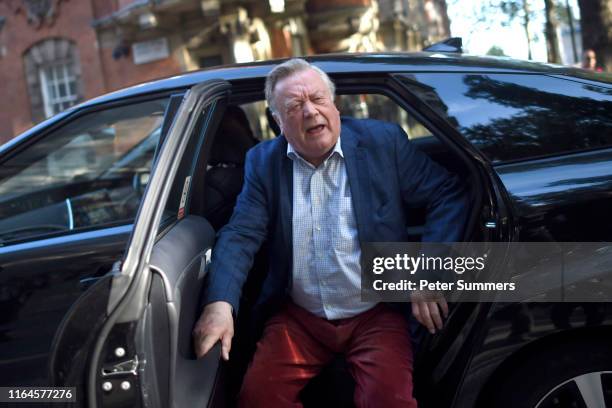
<point x="239" y="240"/>
<point x="424" y="183"/>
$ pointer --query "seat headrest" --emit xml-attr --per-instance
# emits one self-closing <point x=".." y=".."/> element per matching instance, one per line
<point x="234" y="137"/>
<point x="272" y="123"/>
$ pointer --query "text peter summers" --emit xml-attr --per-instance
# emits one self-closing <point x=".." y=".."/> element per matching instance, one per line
<point x="460" y="285"/>
<point x="410" y="264"/>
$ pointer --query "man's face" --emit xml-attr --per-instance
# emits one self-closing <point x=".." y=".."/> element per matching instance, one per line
<point x="590" y="59"/>
<point x="307" y="115"/>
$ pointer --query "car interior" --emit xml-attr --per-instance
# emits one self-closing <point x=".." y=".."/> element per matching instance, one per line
<point x="217" y="181"/>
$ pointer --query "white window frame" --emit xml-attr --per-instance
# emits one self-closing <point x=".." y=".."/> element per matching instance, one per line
<point x="66" y="78"/>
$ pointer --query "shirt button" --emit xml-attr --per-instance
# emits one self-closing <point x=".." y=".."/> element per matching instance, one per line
<point x="318" y="228"/>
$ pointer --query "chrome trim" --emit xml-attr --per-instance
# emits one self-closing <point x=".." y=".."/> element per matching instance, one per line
<point x="70" y="216"/>
<point x="122" y="368"/>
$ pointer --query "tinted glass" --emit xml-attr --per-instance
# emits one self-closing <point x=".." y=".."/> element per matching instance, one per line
<point x="85" y="174"/>
<point x="513" y="116"/>
<point x="380" y="107"/>
<point x="177" y="206"/>
<point x="373" y="106"/>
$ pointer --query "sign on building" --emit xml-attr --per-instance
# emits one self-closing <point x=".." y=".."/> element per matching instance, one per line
<point x="152" y="50"/>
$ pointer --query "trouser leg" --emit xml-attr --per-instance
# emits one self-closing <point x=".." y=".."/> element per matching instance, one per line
<point x="287" y="357"/>
<point x="379" y="355"/>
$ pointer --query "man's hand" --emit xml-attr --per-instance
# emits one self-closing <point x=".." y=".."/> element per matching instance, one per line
<point x="216" y="323"/>
<point x="426" y="309"/>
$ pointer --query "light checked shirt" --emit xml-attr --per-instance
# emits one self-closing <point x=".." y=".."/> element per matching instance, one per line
<point x="326" y="252"/>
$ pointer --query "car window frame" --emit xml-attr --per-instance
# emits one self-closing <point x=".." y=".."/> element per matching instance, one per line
<point x="401" y="77"/>
<point x="79" y="111"/>
<point x="66" y="120"/>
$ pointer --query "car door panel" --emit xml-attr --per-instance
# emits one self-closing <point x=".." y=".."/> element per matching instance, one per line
<point x="180" y="259"/>
<point x="40" y="282"/>
<point x="556" y="188"/>
<point x="142" y="354"/>
<point x="74" y="336"/>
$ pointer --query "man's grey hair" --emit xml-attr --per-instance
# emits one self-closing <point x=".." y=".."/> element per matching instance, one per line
<point x="287" y="69"/>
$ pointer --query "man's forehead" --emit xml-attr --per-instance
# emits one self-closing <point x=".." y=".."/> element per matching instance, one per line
<point x="302" y="81"/>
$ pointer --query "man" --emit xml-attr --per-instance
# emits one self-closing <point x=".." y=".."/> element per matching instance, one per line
<point x="316" y="193"/>
<point x="589" y="61"/>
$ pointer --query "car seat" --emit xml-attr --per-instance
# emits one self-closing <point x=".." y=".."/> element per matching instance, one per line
<point x="225" y="171"/>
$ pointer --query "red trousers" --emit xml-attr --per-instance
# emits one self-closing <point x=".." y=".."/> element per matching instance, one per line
<point x="296" y="345"/>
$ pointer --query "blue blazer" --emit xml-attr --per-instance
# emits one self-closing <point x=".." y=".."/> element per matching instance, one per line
<point x="387" y="176"/>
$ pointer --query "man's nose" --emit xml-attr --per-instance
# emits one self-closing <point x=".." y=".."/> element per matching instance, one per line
<point x="309" y="109"/>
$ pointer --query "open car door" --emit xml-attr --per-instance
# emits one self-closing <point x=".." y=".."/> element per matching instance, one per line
<point x="127" y="340"/>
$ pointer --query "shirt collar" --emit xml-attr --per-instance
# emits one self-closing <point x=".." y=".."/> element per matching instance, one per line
<point x="293" y="154"/>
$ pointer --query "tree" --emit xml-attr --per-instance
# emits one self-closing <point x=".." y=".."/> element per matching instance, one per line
<point x="496" y="51"/>
<point x="596" y="24"/>
<point x="568" y="17"/>
<point x="518" y="9"/>
<point x="550" y="32"/>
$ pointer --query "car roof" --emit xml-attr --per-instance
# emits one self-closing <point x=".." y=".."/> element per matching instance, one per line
<point x="336" y="65"/>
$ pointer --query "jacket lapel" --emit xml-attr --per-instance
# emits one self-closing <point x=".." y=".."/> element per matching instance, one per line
<point x="358" y="175"/>
<point x="286" y="197"/>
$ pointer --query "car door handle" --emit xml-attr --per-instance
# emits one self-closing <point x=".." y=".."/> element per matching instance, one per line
<point x="87" y="281"/>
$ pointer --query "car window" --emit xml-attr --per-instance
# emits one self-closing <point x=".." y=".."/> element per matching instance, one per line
<point x="183" y="185"/>
<point x="518" y="116"/>
<point x="259" y="120"/>
<point x="380" y="107"/>
<point x="88" y="173"/>
<point x="373" y="106"/>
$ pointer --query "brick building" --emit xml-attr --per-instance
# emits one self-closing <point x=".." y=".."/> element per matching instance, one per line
<point x="55" y="53"/>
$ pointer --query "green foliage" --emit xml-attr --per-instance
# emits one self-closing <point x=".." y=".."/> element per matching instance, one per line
<point x="496" y="51"/>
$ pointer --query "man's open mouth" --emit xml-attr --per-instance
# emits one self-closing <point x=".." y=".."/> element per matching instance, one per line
<point x="315" y="129"/>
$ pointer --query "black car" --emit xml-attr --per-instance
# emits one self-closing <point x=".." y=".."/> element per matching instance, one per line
<point x="108" y="215"/>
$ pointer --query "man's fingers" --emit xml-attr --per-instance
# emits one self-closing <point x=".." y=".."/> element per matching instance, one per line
<point x="416" y="312"/>
<point x="435" y="314"/>
<point x="226" y="345"/>
<point x="205" y="345"/>
<point x="426" y="317"/>
<point x="428" y="313"/>
<point x="215" y="323"/>
<point x="421" y="314"/>
<point x="444" y="306"/>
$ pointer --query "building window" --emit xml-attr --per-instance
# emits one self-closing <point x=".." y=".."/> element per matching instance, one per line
<point x="210" y="61"/>
<point x="53" y="76"/>
<point x="59" y="88"/>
